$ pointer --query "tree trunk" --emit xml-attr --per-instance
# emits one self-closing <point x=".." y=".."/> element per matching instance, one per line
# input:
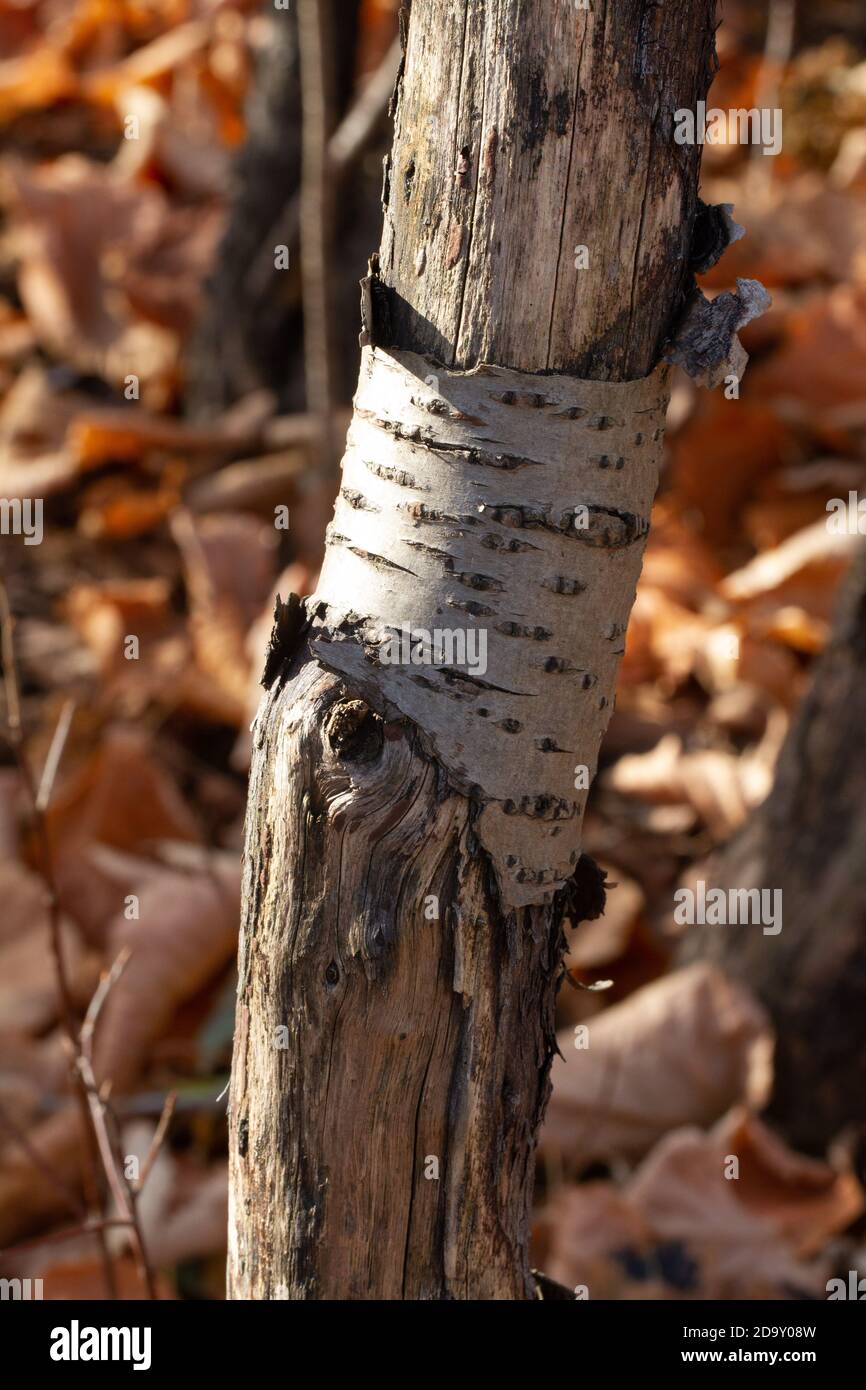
<point x="413" y="836"/>
<point x="808" y="840"/>
<point x="251" y="324"/>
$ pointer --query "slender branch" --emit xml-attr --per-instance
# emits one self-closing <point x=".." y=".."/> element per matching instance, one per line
<point x="360" y="122"/>
<point x="778" y="46"/>
<point x="15" y="734"/>
<point x="87" y="1228"/>
<point x="120" y="1190"/>
<point x="316" y="215"/>
<point x="158" y="1139"/>
<point x="10" y="672"/>
<point x="45" y="1168"/>
<point x="55" y="753"/>
<point x="345" y="147"/>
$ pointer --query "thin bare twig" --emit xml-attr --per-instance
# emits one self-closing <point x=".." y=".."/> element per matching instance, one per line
<point x="345" y="147"/>
<point x="778" y="46"/>
<point x="316" y="216"/>
<point x="45" y="1168"/>
<point x="359" y="124"/>
<point x="15" y="734"/>
<point x="120" y="1190"/>
<point x="55" y="753"/>
<point x="16" y="739"/>
<point x="87" y="1228"/>
<point x="107" y="981"/>
<point x="158" y="1139"/>
<point x="10" y="671"/>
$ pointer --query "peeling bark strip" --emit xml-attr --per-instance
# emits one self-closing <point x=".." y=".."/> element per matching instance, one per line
<point x="554" y="541"/>
<point x="705" y="341"/>
<point x="384" y="1147"/>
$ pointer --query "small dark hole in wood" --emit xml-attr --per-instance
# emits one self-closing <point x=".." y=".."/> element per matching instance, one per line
<point x="408" y="179"/>
<point x="332" y="974"/>
<point x="355" y="732"/>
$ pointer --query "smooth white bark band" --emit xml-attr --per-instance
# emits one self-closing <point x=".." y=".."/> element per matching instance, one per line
<point x="510" y="509"/>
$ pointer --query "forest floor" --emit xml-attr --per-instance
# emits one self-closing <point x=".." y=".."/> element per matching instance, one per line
<point x="142" y="614"/>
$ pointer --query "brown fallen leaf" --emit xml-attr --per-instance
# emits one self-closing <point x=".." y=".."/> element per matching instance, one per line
<point x="29" y="1002"/>
<point x="78" y="231"/>
<point x="798" y="231"/>
<point x="100" y="434"/>
<point x="679" y="561"/>
<point x="681" y="1229"/>
<point x="31" y="1070"/>
<point x="191" y="1221"/>
<point x="187" y="155"/>
<point x="150" y="62"/>
<point x="804" y="568"/>
<point x="120" y="797"/>
<point x="588" y="1237"/>
<point x="84" y="1278"/>
<point x="166" y="676"/>
<point x="24" y="899"/>
<point x="680" y="1051"/>
<point x="662" y="641"/>
<point x="34" y="80"/>
<point x="116" y="509"/>
<point x="719" y="459"/>
<point x="27" y="1195"/>
<point x="229" y="563"/>
<point x="736" y="653"/>
<point x="768" y="522"/>
<point x="255" y="484"/>
<point x="822" y="359"/>
<point x="34" y="459"/>
<point x="104" y="613"/>
<point x="185" y="933"/>
<point x="806" y="1200"/>
<point x="163" y="284"/>
<point x="746" y="1239"/>
<point x="720" y="786"/>
<point x="186" y="930"/>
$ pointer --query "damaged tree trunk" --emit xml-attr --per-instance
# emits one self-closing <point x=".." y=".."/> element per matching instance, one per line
<point x="433" y="716"/>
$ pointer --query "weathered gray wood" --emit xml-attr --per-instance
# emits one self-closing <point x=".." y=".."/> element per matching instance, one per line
<point x="387" y="1061"/>
<point x="410" y="1037"/>
<point x="527" y="129"/>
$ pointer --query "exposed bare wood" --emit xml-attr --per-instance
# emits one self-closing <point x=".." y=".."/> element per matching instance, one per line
<point x="525" y="131"/>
